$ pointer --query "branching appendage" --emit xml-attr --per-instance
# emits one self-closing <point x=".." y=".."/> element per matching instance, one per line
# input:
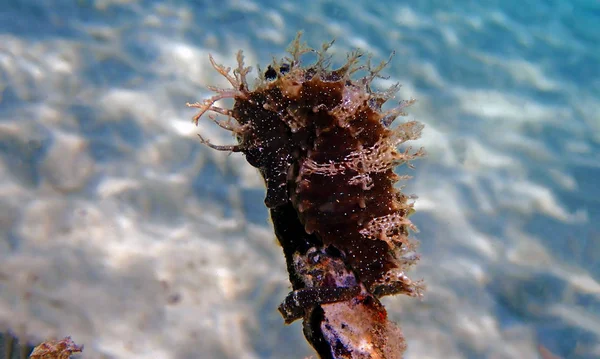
<point x="399" y="283"/>
<point x="385" y="228"/>
<point x="323" y="58"/>
<point x="389" y="116"/>
<point x="238" y="79"/>
<point x="241" y="72"/>
<point x="238" y="82"/>
<point x="297" y="49"/>
<point x="240" y="89"/>
<point x="407" y="131"/>
<point x="375" y="72"/>
<point x="351" y="66"/>
<point x="208" y="104"/>
<point x="227" y="148"/>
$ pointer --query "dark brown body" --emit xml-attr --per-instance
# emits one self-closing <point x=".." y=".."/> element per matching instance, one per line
<point x="287" y="128"/>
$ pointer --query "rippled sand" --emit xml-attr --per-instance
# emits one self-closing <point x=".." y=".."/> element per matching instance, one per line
<point x="119" y="229"/>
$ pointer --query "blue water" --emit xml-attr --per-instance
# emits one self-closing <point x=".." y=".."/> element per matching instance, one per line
<point x="509" y="92"/>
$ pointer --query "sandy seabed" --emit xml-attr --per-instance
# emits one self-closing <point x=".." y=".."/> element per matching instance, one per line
<point x="120" y="229"/>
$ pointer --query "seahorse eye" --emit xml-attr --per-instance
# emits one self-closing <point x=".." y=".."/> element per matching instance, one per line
<point x="271" y="74"/>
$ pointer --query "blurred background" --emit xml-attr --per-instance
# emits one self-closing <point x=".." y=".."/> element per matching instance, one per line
<point x="118" y="228"/>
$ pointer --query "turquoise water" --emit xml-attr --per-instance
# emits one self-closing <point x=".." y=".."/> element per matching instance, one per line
<point x="110" y="207"/>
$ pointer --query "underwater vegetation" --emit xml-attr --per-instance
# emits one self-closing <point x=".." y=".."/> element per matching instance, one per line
<point x="50" y="349"/>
